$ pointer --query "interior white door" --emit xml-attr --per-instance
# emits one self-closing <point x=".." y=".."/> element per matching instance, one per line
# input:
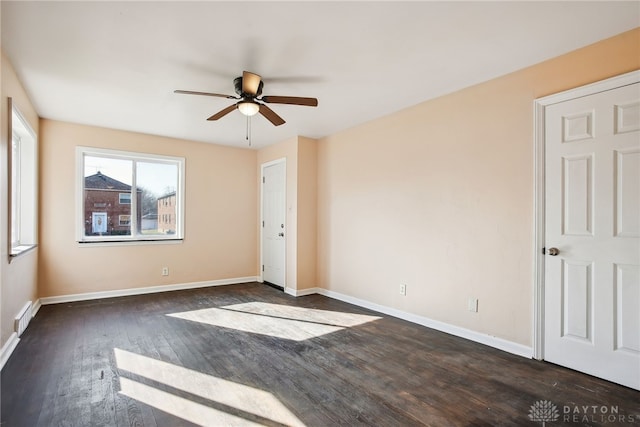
<point x="273" y="223"/>
<point x="592" y="219"/>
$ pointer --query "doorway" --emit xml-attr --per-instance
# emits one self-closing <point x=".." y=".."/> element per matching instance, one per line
<point x="272" y="236"/>
<point x="587" y="299"/>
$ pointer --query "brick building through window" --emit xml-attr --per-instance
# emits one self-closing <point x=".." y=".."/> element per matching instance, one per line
<point x="107" y="206"/>
<point x="167" y="213"/>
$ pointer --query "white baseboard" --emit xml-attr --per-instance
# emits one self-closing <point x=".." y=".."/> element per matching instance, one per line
<point x="491" y="341"/>
<point x="36" y="307"/>
<point x="7" y="349"/>
<point x="140" y="291"/>
<point x="302" y="292"/>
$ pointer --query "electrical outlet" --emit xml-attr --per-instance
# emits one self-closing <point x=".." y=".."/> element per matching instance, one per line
<point x="403" y="289"/>
<point x="165" y="271"/>
<point x="473" y="305"/>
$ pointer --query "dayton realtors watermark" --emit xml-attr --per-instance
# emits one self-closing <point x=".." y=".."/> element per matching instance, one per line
<point x="545" y="411"/>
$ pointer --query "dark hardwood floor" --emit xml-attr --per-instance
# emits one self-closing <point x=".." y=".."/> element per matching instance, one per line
<point x="244" y="354"/>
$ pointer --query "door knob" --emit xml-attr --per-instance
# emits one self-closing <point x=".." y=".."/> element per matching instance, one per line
<point x="553" y="251"/>
<point x="281" y="234"/>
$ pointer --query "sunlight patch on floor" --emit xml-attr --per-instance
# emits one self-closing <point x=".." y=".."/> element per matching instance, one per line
<point x="180" y="407"/>
<point x="232" y="403"/>
<point x="275" y="320"/>
<point x="336" y="318"/>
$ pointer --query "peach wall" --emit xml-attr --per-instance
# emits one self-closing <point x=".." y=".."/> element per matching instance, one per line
<point x="307" y="212"/>
<point x="18" y="279"/>
<point x="440" y="197"/>
<point x="220" y="216"/>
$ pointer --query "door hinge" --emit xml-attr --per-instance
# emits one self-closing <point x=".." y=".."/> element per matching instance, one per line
<point x="263" y="180"/>
<point x="262" y="267"/>
<point x="263" y="223"/>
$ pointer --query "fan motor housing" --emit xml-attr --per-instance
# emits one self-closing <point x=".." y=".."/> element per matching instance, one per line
<point x="237" y="83"/>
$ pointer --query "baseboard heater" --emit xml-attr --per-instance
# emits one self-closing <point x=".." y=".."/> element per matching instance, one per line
<point x="23" y="318"/>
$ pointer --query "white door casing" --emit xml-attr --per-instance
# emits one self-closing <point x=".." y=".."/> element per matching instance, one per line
<point x="273" y="240"/>
<point x="589" y="310"/>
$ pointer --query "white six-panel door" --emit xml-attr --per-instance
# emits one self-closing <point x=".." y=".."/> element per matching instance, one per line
<point x="592" y="218"/>
<point x="273" y="222"/>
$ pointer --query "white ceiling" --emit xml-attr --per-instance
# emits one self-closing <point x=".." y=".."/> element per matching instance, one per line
<point x="116" y="64"/>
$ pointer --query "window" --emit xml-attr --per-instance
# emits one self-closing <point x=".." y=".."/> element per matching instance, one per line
<point x="120" y="194"/>
<point x="23" y="183"/>
<point x="124" y="198"/>
<point x="124" y="219"/>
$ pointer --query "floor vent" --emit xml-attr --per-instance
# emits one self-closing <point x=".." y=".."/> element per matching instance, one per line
<point x="23" y="319"/>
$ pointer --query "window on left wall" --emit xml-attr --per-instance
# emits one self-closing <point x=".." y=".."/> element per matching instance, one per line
<point x="123" y="195"/>
<point x="23" y="183"/>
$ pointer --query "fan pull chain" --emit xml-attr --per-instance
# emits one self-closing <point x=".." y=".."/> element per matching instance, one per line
<point x="248" y="137"/>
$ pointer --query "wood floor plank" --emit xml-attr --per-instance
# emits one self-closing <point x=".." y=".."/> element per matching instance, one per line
<point x="57" y="367"/>
<point x="386" y="372"/>
<point x="34" y="365"/>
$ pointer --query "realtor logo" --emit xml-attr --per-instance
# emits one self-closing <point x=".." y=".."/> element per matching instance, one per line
<point x="543" y="411"/>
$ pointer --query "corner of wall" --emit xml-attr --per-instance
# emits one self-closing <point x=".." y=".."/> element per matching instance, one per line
<point x="301" y="156"/>
<point x="307" y="212"/>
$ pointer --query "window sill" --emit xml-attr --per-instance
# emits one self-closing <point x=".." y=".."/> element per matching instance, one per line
<point x="16" y="251"/>
<point x="93" y="243"/>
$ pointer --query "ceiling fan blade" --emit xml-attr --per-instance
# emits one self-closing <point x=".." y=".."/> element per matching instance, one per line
<point x="191" y="92"/>
<point x="250" y="83"/>
<point x="223" y="113"/>
<point x="270" y="115"/>
<point x="294" y="100"/>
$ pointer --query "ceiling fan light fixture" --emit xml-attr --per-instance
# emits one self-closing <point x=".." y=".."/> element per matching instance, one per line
<point x="249" y="88"/>
<point x="248" y="108"/>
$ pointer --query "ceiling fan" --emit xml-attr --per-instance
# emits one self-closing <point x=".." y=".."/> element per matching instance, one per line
<point x="249" y="88"/>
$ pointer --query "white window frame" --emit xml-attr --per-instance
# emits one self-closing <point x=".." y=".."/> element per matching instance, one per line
<point x="120" y="198"/>
<point x="81" y="238"/>
<point x="23" y="184"/>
